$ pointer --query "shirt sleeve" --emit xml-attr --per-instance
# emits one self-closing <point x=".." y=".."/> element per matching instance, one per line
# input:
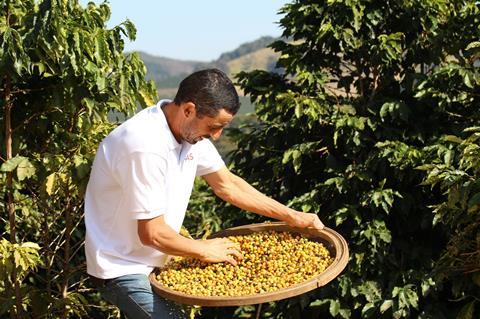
<point x="143" y="179"/>
<point x="209" y="160"/>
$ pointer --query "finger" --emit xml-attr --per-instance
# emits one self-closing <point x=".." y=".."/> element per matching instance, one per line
<point x="235" y="253"/>
<point x="317" y="223"/>
<point x="231" y="260"/>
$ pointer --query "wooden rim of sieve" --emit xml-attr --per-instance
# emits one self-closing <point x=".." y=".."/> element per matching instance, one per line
<point x="332" y="240"/>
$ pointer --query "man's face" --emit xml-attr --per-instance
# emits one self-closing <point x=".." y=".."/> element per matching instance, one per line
<point x="195" y="129"/>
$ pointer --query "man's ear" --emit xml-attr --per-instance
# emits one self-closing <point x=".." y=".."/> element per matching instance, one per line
<point x="189" y="109"/>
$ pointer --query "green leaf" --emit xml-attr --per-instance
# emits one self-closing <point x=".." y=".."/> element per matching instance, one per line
<point x="467" y="79"/>
<point x="453" y="138"/>
<point x="6" y="305"/>
<point x="11" y="164"/>
<point x="298" y="110"/>
<point x="306" y="208"/>
<point x="368" y="310"/>
<point x="30" y="245"/>
<point x="472" y="129"/>
<point x="131" y="30"/>
<point x="357" y="16"/>
<point x="474" y="200"/>
<point x="467" y="311"/>
<point x="25" y="169"/>
<point x="345" y="313"/>
<point x="17" y="257"/>
<point x="334" y="307"/>
<point x="50" y="182"/>
<point x="100" y="83"/>
<point x="473" y="45"/>
<point x="476" y="279"/>
<point x="297" y="160"/>
<point x="448" y="157"/>
<point x="396" y="110"/>
<point x="426" y="285"/>
<point x="387" y="304"/>
<point x="23" y="166"/>
<point x="319" y="302"/>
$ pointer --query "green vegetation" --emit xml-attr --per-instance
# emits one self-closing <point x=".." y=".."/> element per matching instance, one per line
<point x="62" y="73"/>
<point x="374" y="126"/>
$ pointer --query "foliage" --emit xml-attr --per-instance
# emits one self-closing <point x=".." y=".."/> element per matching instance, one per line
<point x="207" y="214"/>
<point x="202" y="218"/>
<point x="64" y="75"/>
<point x="459" y="210"/>
<point x="373" y="125"/>
<point x="370" y="92"/>
<point x="25" y="259"/>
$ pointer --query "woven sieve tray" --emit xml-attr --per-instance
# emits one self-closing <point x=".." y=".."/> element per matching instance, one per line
<point x="333" y="241"/>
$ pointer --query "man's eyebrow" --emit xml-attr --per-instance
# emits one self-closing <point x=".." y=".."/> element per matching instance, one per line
<point x="215" y="125"/>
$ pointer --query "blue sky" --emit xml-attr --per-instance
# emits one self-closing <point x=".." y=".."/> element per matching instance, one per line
<point x="195" y="30"/>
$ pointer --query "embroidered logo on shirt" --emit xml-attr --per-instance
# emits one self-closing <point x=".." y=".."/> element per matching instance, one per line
<point x="189" y="157"/>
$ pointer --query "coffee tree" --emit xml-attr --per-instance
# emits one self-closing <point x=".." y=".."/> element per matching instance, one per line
<point x="64" y="82"/>
<point x="366" y="128"/>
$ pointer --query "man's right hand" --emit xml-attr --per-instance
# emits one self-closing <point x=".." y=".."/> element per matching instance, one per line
<point x="220" y="250"/>
<point x="156" y="233"/>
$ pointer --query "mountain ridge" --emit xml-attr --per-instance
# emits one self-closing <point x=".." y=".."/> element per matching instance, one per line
<point x="168" y="72"/>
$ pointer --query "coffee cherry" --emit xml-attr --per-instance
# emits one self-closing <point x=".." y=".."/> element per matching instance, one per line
<point x="271" y="261"/>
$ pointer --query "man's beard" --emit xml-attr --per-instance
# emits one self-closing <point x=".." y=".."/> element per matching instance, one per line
<point x="192" y="139"/>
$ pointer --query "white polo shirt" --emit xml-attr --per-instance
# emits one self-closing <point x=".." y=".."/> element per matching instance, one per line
<point x="140" y="172"/>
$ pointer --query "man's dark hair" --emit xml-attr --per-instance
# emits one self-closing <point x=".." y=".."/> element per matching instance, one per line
<point x="210" y="90"/>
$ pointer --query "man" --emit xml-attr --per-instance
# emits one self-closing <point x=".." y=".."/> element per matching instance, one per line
<point x="140" y="185"/>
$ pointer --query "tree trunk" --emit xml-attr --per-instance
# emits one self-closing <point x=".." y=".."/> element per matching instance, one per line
<point x="9" y="191"/>
<point x="66" y="266"/>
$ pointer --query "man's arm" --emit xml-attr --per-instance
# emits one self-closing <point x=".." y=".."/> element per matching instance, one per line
<point x="238" y="192"/>
<point x="157" y="234"/>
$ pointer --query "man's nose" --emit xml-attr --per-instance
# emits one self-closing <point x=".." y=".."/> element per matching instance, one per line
<point x="216" y="135"/>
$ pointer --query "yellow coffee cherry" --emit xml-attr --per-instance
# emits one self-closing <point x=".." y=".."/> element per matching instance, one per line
<point x="271" y="261"/>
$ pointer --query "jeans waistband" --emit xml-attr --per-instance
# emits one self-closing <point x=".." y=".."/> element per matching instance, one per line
<point x="99" y="282"/>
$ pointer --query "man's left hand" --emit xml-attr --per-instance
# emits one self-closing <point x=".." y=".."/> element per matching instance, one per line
<point x="304" y="220"/>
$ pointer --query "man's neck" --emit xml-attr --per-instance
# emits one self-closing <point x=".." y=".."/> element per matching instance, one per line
<point x="170" y="110"/>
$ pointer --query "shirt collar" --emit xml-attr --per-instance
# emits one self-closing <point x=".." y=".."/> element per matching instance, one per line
<point x="172" y="142"/>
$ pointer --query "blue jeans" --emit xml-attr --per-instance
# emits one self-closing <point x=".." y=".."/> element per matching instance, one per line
<point x="134" y="296"/>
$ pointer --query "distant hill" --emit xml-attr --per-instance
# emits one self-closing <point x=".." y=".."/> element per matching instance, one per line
<point x="261" y="59"/>
<point x="165" y="70"/>
<point x="247" y="48"/>
<point x="167" y="73"/>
